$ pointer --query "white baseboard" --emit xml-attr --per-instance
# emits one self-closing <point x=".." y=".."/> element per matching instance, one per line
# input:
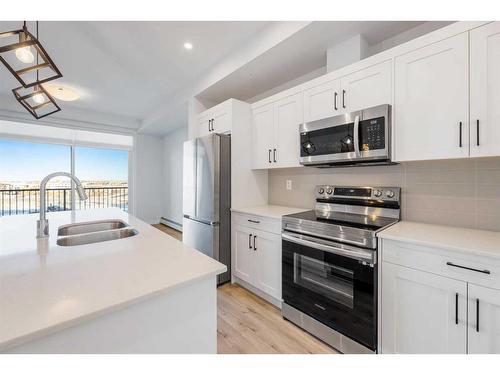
<point x="170" y="223"/>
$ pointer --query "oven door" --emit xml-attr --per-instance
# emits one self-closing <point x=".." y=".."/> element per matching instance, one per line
<point x="362" y="136"/>
<point x="333" y="283"/>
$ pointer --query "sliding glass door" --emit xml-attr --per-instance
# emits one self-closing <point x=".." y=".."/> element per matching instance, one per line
<point x="23" y="165"/>
<point x="103" y="172"/>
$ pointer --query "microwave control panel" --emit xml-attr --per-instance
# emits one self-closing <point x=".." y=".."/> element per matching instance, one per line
<point x="372" y="134"/>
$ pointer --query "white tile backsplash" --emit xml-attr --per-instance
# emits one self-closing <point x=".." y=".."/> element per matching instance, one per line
<point x="462" y="192"/>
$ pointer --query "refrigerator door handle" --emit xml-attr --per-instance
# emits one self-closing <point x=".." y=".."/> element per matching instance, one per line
<point x="208" y="222"/>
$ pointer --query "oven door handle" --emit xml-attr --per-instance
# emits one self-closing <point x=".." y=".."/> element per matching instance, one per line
<point x="361" y="255"/>
<point x="356" y="136"/>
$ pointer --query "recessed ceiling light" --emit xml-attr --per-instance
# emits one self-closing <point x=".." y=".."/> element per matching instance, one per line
<point x="188" y="45"/>
<point x="64" y="93"/>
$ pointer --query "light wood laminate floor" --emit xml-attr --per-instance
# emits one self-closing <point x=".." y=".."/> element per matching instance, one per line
<point x="248" y="324"/>
<point x="170" y="231"/>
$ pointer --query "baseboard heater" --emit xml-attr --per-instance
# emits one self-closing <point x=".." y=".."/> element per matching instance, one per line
<point x="170" y="223"/>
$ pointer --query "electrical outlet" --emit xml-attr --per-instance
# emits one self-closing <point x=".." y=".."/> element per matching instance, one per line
<point x="288" y="184"/>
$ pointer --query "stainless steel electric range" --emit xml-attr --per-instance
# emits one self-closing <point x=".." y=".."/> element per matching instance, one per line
<point x="329" y="264"/>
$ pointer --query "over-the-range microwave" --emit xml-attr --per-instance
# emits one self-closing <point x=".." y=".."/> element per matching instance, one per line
<point x="356" y="138"/>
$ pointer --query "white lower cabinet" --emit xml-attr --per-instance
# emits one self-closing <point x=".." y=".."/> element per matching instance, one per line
<point x="422" y="313"/>
<point x="243" y="254"/>
<point x="268" y="263"/>
<point x="433" y="301"/>
<point x="484" y="320"/>
<point x="256" y="255"/>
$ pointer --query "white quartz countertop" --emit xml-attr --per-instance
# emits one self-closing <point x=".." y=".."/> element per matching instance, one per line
<point x="480" y="242"/>
<point x="275" y="212"/>
<point x="45" y="287"/>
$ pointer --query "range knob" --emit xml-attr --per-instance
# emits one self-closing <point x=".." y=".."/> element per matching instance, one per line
<point x="321" y="190"/>
<point x="389" y="194"/>
<point x="329" y="191"/>
<point x="377" y="193"/>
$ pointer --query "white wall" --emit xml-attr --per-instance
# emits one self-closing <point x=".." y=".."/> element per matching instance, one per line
<point x="172" y="174"/>
<point x="148" y="182"/>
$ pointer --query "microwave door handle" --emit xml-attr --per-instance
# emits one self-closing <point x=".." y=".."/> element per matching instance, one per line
<point x="356" y="136"/>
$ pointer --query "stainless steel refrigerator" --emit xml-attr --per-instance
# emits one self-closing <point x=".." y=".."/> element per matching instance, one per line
<point x="206" y="224"/>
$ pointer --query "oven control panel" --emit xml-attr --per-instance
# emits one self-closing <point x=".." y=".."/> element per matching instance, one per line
<point x="329" y="192"/>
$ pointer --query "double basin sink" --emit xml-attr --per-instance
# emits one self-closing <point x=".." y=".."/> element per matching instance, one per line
<point x="93" y="232"/>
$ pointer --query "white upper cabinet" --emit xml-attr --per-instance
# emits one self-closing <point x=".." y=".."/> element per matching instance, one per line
<point x="485" y="90"/>
<point x="422" y="312"/>
<point x="367" y="88"/>
<point x="431" y="117"/>
<point x="215" y="120"/>
<point x="322" y="101"/>
<point x="221" y="121"/>
<point x="359" y="90"/>
<point x="263" y="136"/>
<point x="484" y="320"/>
<point x="276" y="133"/>
<point x="287" y="119"/>
<point x="204" y="125"/>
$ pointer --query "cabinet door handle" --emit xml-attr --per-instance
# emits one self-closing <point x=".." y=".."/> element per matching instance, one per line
<point x="477" y="314"/>
<point x="343" y="98"/>
<point x="254" y="221"/>
<point x="274" y="155"/>
<point x="467" y="268"/>
<point x="270" y="156"/>
<point x="335" y="100"/>
<point x="213" y="124"/>
<point x="209" y="121"/>
<point x="249" y="241"/>
<point x="254" y="245"/>
<point x="460" y="135"/>
<point x="477" y="131"/>
<point x="456" y="308"/>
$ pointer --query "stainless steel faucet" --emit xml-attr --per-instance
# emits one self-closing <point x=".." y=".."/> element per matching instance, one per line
<point x="43" y="223"/>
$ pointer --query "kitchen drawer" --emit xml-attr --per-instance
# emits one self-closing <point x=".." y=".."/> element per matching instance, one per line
<point x="265" y="224"/>
<point x="438" y="261"/>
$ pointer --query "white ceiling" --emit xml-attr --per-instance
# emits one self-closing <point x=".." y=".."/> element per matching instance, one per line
<point x="302" y="53"/>
<point x="126" y="68"/>
<point x="138" y="75"/>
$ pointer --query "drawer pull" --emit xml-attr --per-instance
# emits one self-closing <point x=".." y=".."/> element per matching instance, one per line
<point x="254" y="221"/>
<point x="467" y="268"/>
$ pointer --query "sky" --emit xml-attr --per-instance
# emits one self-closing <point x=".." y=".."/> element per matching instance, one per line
<point x="29" y="161"/>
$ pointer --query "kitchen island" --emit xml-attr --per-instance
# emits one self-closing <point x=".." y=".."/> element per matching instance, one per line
<point x="148" y="293"/>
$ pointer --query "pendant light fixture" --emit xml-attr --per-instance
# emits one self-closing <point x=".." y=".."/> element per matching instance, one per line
<point x="31" y="95"/>
<point x="37" y="101"/>
<point x="18" y="57"/>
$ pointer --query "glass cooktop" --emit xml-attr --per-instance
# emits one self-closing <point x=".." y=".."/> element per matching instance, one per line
<point x="368" y="222"/>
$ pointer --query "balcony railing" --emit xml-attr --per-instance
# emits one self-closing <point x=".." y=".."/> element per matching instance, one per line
<point x="27" y="201"/>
